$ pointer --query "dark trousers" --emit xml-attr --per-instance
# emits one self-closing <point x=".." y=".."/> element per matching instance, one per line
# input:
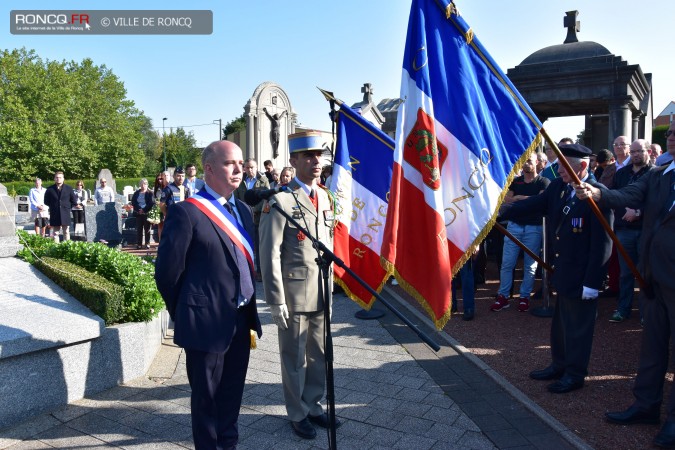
<point x="142" y="228"/>
<point x="659" y="316"/>
<point x="572" y="335"/>
<point x="78" y="216"/>
<point x="217" y="381"/>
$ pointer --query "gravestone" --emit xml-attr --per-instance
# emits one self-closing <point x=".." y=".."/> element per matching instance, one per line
<point x="9" y="241"/>
<point x="103" y="223"/>
<point x="23" y="213"/>
<point x="128" y="192"/>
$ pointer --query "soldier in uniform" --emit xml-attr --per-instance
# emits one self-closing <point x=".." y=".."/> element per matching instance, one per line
<point x="293" y="283"/>
<point x="581" y="249"/>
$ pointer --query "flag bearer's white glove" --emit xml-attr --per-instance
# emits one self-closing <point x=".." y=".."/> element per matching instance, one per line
<point x="589" y="293"/>
<point x="280" y="315"/>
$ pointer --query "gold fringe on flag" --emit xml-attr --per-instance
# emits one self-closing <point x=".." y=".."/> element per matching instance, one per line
<point x="253" y="341"/>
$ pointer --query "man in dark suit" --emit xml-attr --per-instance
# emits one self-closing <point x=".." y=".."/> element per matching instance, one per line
<point x="581" y="248"/>
<point x="654" y="194"/>
<point x="61" y="199"/>
<point x="204" y="272"/>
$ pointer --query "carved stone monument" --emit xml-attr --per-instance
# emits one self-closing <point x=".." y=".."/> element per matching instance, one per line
<point x="269" y="121"/>
<point x="9" y="242"/>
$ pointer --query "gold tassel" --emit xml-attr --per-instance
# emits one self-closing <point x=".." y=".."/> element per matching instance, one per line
<point x="469" y="36"/>
<point x="253" y="344"/>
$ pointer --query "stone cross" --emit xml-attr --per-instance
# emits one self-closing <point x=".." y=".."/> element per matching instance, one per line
<point x="572" y="25"/>
<point x="367" y="90"/>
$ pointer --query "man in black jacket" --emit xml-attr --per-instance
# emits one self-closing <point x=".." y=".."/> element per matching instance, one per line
<point x="628" y="227"/>
<point x="581" y="249"/>
<point x="654" y="193"/>
<point x="61" y="199"/>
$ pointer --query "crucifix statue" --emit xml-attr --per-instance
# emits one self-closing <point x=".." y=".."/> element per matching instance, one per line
<point x="275" y="132"/>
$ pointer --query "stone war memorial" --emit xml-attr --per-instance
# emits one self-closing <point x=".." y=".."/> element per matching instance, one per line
<point x="269" y="120"/>
<point x="579" y="78"/>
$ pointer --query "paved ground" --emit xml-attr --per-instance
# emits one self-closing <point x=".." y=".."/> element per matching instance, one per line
<point x="391" y="392"/>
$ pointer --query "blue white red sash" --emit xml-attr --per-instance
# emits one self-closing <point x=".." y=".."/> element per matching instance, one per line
<point x="225" y="221"/>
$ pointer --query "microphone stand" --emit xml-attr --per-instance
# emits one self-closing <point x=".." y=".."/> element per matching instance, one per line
<point x="324" y="259"/>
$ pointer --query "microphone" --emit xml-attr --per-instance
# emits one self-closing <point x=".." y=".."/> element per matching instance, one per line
<point x="252" y="197"/>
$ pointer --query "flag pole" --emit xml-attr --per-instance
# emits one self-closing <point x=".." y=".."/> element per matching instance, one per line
<point x="534" y="256"/>
<point x="598" y="213"/>
<point x="330" y="97"/>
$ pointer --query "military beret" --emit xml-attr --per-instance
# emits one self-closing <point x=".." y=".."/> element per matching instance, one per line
<point x="575" y="150"/>
<point x="179" y="169"/>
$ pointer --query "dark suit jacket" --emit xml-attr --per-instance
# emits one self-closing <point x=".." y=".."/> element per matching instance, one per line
<point x="149" y="201"/>
<point x="197" y="275"/>
<point x="657" y="247"/>
<point x="579" y="255"/>
<point x="60" y="204"/>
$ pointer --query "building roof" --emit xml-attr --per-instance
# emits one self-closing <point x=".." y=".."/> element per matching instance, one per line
<point x="566" y="52"/>
<point x="670" y="109"/>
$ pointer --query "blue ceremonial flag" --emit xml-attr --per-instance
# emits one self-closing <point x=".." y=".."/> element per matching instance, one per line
<point x="362" y="167"/>
<point x="462" y="135"/>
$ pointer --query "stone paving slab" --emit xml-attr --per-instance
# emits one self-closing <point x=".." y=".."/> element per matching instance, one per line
<point x="391" y="393"/>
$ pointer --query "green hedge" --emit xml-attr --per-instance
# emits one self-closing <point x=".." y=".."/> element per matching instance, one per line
<point x="93" y="291"/>
<point x="134" y="275"/>
<point x="23" y="187"/>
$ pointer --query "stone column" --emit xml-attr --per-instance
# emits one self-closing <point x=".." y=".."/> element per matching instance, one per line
<point x="636" y="122"/>
<point x="250" y="138"/>
<point x="620" y="121"/>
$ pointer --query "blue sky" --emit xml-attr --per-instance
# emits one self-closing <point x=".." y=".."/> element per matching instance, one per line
<point x="339" y="45"/>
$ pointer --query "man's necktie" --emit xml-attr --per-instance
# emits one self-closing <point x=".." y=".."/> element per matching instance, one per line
<point x="315" y="199"/>
<point x="671" y="200"/>
<point x="245" y="281"/>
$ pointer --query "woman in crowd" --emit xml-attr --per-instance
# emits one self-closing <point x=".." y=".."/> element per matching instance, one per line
<point x="160" y="183"/>
<point x="81" y="197"/>
<point x="286" y="175"/>
<point x="142" y="202"/>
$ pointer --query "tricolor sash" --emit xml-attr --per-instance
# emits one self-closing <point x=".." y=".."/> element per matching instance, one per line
<point x="225" y="221"/>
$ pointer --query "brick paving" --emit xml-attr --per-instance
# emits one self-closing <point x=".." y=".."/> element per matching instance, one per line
<point x="391" y="392"/>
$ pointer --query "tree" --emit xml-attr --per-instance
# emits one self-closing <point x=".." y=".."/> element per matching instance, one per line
<point x="181" y="148"/>
<point x="58" y="115"/>
<point x="238" y="124"/>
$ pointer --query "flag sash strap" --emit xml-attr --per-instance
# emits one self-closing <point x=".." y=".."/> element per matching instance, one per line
<point x="225" y="221"/>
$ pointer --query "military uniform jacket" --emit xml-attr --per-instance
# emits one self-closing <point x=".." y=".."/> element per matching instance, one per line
<point x="287" y="258"/>
<point x="581" y="246"/>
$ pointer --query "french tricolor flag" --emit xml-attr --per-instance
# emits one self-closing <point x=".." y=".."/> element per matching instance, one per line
<point x="462" y="134"/>
<point x="361" y="178"/>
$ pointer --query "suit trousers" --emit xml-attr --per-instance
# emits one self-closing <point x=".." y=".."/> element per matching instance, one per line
<point x="659" y="331"/>
<point x="303" y="364"/>
<point x="572" y="335"/>
<point x="217" y="381"/>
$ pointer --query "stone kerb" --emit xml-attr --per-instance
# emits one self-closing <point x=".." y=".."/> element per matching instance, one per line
<point x="54" y="351"/>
